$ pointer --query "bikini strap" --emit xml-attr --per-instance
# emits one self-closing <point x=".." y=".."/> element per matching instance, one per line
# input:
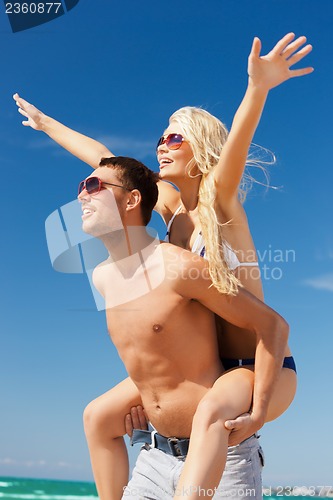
<point x="171" y="221"/>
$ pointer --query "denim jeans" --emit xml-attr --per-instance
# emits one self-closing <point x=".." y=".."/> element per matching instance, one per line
<point x="156" y="474"/>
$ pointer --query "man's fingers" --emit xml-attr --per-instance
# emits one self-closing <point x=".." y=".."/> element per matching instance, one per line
<point x="238" y="422"/>
<point x="139" y="420"/>
<point x="142" y="418"/>
<point x="135" y="418"/>
<point x="128" y="425"/>
<point x="234" y="439"/>
<point x="230" y="424"/>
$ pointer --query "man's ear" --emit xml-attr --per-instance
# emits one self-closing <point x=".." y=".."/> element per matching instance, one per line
<point x="134" y="199"/>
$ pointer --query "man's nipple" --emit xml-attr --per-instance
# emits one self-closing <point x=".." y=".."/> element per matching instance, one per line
<point x="157" y="328"/>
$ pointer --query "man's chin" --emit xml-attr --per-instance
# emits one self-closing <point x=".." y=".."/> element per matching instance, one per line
<point x="99" y="232"/>
<point x="86" y="229"/>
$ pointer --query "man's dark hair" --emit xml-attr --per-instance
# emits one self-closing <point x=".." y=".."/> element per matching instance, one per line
<point x="135" y="175"/>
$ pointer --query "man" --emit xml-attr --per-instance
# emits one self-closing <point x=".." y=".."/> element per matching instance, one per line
<point x="159" y="310"/>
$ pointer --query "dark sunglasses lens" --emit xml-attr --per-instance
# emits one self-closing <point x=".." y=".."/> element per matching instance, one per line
<point x="160" y="141"/>
<point x="174" y="141"/>
<point x="81" y="187"/>
<point x="92" y="185"/>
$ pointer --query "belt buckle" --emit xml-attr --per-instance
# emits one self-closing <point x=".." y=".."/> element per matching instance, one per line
<point x="174" y="447"/>
<point x="152" y="438"/>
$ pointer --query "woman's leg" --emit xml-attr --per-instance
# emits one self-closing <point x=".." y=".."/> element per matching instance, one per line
<point x="230" y="396"/>
<point x="104" y="426"/>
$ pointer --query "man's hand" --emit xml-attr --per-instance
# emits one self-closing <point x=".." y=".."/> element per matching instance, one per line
<point x="136" y="420"/>
<point x="273" y="69"/>
<point x="242" y="428"/>
<point x="34" y="116"/>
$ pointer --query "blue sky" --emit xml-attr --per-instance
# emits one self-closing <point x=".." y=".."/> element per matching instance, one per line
<point x="116" y="71"/>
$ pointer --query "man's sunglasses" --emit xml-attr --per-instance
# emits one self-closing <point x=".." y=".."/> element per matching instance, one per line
<point x="93" y="185"/>
<point x="173" y="141"/>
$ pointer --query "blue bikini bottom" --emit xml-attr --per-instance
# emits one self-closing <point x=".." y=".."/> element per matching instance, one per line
<point x="228" y="363"/>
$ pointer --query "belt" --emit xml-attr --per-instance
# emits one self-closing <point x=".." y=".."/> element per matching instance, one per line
<point x="177" y="447"/>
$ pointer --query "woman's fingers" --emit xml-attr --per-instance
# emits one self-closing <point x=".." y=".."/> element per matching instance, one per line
<point x="292" y="47"/>
<point x="22" y="112"/>
<point x="301" y="72"/>
<point x="283" y="43"/>
<point x="256" y="47"/>
<point x="299" y="55"/>
<point x="21" y="103"/>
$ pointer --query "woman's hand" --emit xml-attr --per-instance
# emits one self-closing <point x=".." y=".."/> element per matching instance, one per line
<point x="34" y="117"/>
<point x="273" y="69"/>
<point x="86" y="149"/>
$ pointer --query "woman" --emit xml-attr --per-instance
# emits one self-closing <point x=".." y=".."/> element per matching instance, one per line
<point x="205" y="215"/>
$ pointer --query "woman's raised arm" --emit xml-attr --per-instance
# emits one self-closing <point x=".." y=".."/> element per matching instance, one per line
<point x="88" y="150"/>
<point x="85" y="148"/>
<point x="265" y="73"/>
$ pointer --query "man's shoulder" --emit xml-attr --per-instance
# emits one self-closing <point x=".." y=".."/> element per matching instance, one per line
<point x="102" y="264"/>
<point x="98" y="277"/>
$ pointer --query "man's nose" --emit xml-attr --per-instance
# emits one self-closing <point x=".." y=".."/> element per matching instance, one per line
<point x="84" y="195"/>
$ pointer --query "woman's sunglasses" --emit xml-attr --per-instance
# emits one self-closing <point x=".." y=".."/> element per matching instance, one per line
<point x="93" y="185"/>
<point x="173" y="141"/>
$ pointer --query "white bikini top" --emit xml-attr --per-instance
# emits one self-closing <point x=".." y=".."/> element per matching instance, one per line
<point x="199" y="247"/>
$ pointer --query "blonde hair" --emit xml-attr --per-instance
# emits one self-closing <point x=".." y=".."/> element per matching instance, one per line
<point x="207" y="136"/>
